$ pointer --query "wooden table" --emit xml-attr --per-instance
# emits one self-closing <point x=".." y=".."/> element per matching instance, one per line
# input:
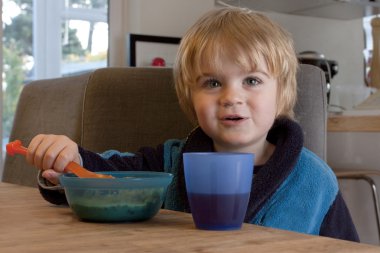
<point x="30" y="224"/>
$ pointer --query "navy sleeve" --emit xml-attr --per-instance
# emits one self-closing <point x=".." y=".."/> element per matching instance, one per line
<point x="338" y="223"/>
<point x="146" y="158"/>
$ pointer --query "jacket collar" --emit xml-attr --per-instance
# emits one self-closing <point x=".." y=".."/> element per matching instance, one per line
<point x="287" y="136"/>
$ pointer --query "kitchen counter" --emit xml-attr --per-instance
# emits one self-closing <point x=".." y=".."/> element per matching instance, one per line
<point x="353" y="123"/>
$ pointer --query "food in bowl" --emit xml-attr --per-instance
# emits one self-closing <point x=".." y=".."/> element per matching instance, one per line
<point x="130" y="196"/>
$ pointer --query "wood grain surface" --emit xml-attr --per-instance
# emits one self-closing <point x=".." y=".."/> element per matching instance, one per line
<point x="30" y="224"/>
<point x="340" y="123"/>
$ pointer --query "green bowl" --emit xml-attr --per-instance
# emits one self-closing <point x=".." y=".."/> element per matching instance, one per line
<point x="130" y="196"/>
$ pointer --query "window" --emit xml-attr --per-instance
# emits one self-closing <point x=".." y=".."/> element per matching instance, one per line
<point x="47" y="39"/>
<point x="73" y="33"/>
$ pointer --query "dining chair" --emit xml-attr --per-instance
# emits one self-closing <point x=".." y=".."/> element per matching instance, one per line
<point x="311" y="108"/>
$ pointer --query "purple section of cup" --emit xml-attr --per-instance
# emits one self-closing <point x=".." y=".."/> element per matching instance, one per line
<point x="218" y="187"/>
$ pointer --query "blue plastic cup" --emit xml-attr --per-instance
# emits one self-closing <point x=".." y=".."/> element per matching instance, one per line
<point x="218" y="187"/>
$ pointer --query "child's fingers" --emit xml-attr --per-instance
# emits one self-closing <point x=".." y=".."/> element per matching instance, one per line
<point x="44" y="150"/>
<point x="51" y="175"/>
<point x="33" y="145"/>
<point x="66" y="155"/>
<point x="37" y="149"/>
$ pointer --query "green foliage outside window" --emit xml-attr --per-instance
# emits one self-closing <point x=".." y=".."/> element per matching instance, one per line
<point x="18" y="52"/>
<point x="17" y="46"/>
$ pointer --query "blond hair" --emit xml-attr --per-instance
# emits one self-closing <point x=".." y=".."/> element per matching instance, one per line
<point x="242" y="35"/>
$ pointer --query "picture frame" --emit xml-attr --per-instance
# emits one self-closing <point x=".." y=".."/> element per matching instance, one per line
<point x="151" y="50"/>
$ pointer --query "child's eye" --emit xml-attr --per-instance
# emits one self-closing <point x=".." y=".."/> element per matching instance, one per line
<point x="211" y="83"/>
<point x="252" y="81"/>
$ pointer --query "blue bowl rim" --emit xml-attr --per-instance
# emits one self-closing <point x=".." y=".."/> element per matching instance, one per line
<point x="218" y="153"/>
<point x="123" y="179"/>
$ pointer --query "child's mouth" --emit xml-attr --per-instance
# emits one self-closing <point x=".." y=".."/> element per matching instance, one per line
<point x="234" y="118"/>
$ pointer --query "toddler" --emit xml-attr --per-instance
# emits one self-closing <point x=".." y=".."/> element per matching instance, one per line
<point x="235" y="77"/>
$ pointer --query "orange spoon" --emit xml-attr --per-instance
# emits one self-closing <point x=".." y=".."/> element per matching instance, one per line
<point x="16" y="147"/>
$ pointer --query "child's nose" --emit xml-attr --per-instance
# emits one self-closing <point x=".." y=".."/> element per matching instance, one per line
<point x="231" y="96"/>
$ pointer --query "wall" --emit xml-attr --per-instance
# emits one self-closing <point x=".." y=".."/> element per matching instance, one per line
<point x="165" y="17"/>
<point x="117" y="30"/>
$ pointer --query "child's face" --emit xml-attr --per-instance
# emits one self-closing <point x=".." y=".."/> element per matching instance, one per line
<point x="236" y="108"/>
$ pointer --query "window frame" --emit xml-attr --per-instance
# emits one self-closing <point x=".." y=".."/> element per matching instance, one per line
<point x="47" y="18"/>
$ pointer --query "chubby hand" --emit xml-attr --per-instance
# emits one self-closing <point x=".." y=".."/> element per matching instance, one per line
<point x="51" y="154"/>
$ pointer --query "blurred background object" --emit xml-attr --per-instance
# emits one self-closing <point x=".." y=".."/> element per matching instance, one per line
<point x="330" y="67"/>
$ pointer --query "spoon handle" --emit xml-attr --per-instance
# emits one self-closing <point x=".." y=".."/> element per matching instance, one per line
<point x="82" y="172"/>
<point x="15" y="147"/>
